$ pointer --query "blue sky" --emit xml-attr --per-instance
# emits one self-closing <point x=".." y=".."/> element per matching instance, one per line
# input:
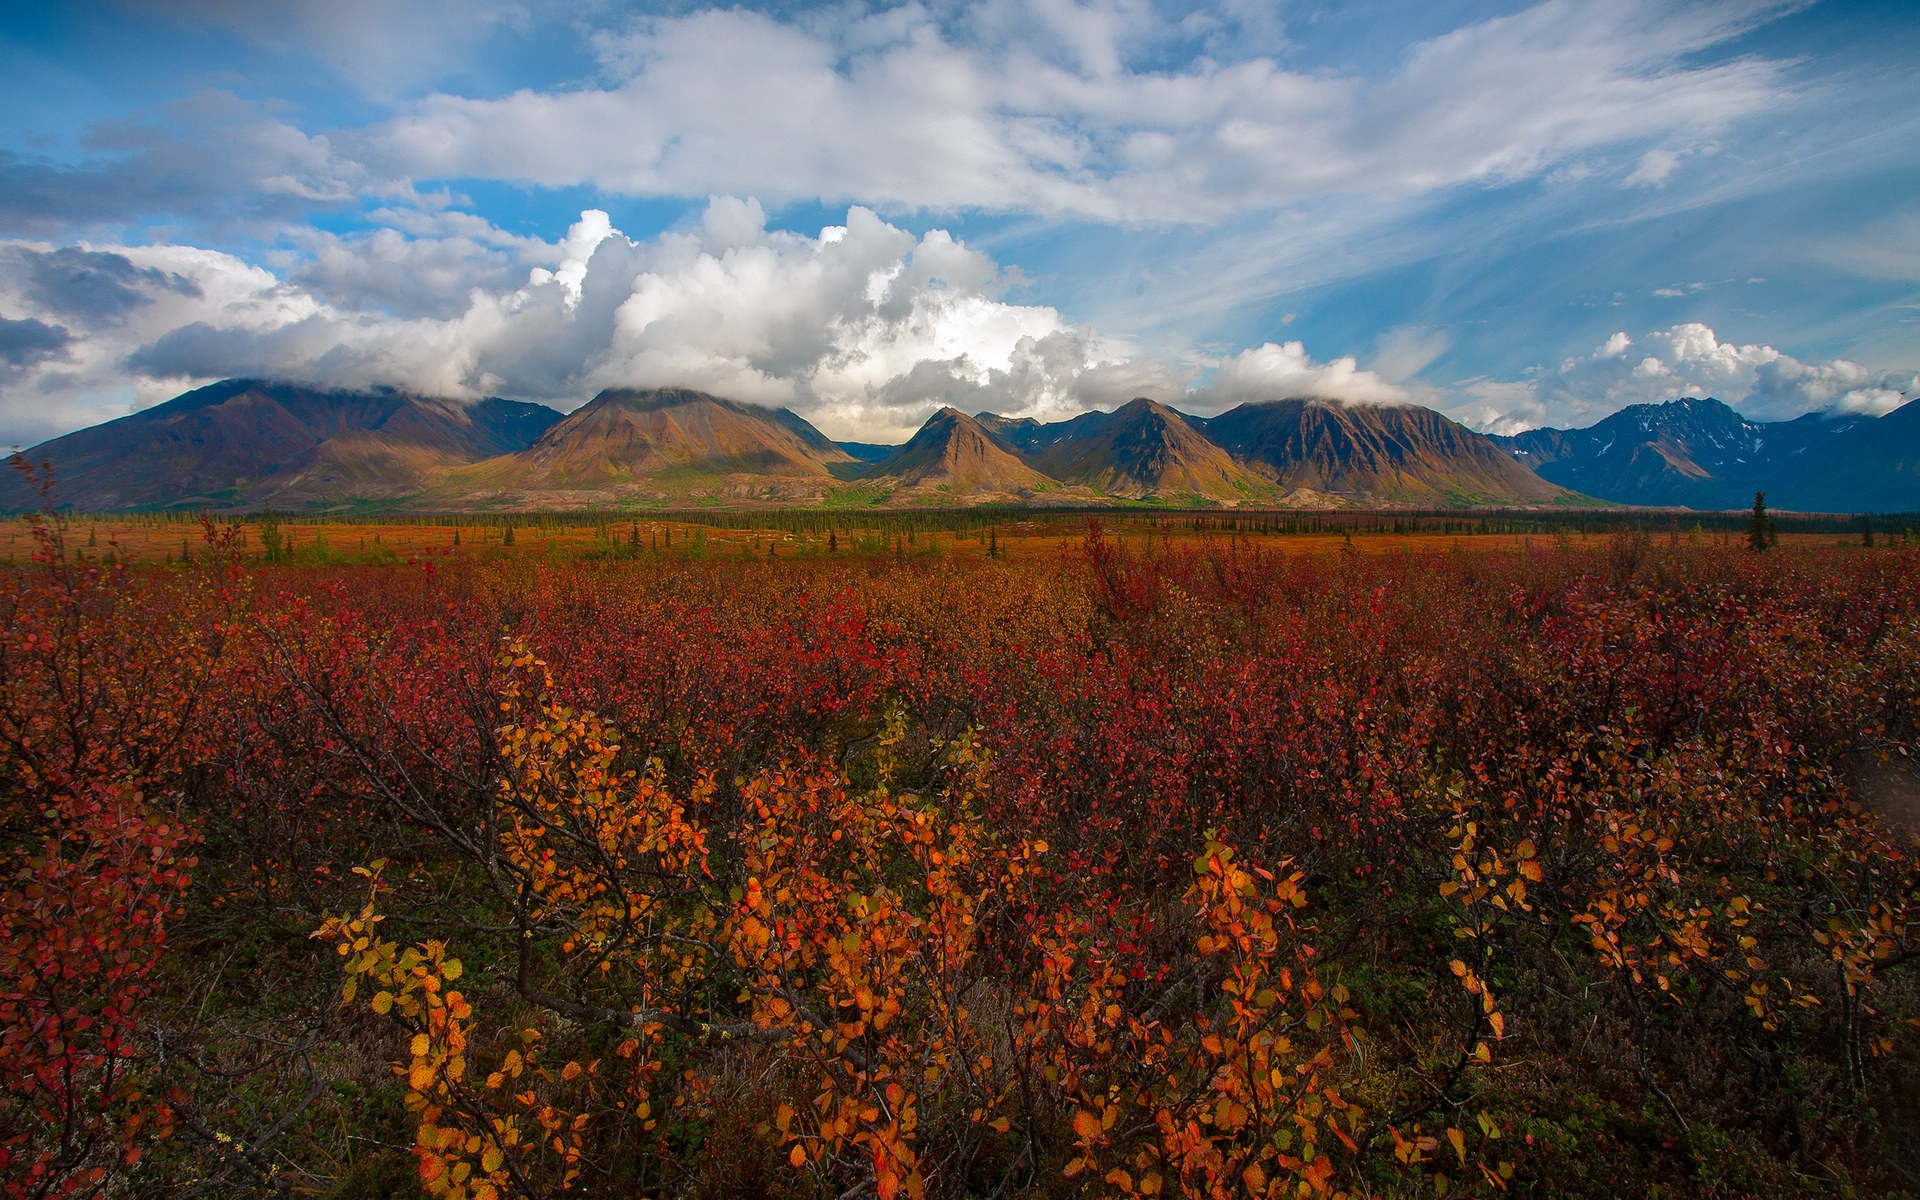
<point x="1518" y="213"/>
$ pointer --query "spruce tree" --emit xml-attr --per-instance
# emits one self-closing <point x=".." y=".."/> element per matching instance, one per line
<point x="1760" y="533"/>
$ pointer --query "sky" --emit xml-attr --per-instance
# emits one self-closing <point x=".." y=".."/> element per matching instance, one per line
<point x="1521" y="214"/>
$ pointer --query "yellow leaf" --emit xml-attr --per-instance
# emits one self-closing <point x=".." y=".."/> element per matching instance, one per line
<point x="383" y="1002"/>
<point x="420" y="1045"/>
<point x="1459" y="1141"/>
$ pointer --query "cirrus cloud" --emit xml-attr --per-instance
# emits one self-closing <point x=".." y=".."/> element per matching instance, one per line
<point x="1043" y="109"/>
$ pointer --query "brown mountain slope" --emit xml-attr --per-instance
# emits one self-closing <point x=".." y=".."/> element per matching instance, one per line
<point x="955" y="455"/>
<point x="246" y="443"/>
<point x="1143" y="449"/>
<point x="623" y="435"/>
<point x="658" y="445"/>
<point x="1328" y="452"/>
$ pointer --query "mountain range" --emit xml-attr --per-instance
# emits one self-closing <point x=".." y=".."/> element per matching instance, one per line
<point x="1702" y="454"/>
<point x="248" y="444"/>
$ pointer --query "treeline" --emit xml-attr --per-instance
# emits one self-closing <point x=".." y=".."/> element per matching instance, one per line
<point x="886" y="523"/>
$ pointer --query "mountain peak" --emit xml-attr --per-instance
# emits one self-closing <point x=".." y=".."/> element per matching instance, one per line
<point x="1142" y="449"/>
<point x="956" y="453"/>
<point x="244" y="442"/>
<point x="1317" y="452"/>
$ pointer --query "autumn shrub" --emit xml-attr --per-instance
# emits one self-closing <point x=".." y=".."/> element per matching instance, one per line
<point x="1147" y="869"/>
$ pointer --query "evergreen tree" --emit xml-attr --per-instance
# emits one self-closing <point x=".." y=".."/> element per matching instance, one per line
<point x="1760" y="534"/>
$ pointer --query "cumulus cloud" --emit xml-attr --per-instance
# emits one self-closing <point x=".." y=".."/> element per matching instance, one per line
<point x="1271" y="372"/>
<point x="863" y="326"/>
<point x="89" y="285"/>
<point x="26" y="343"/>
<point x="1684" y="360"/>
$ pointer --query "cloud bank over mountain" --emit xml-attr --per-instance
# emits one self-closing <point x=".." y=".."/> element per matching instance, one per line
<point x="1686" y="360"/>
<point x="864" y="328"/>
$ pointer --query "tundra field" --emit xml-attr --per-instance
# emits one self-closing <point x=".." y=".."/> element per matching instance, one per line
<point x="958" y="856"/>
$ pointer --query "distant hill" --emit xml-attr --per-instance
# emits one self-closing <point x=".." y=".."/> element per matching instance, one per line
<point x="955" y="457"/>
<point x="246" y="443"/>
<point x="1318" y="452"/>
<point x="1697" y="453"/>
<point x="1142" y="449"/>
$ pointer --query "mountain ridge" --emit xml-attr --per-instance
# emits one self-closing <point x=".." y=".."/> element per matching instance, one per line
<point x="1701" y="453"/>
<point x="246" y="443"/>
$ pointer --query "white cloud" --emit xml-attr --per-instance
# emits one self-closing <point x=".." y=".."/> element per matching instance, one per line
<point x="382" y="47"/>
<point x="1404" y="351"/>
<point x="1656" y="166"/>
<point x="1684" y="360"/>
<point x="865" y="327"/>
<point x="1273" y="372"/>
<point x="1035" y="107"/>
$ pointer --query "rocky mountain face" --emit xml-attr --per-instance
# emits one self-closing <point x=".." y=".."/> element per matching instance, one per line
<point x="1143" y="449"/>
<point x="247" y="443"/>
<point x="955" y="456"/>
<point x="1702" y="454"/>
<point x="1330" y="454"/>
<point x="664" y="444"/>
